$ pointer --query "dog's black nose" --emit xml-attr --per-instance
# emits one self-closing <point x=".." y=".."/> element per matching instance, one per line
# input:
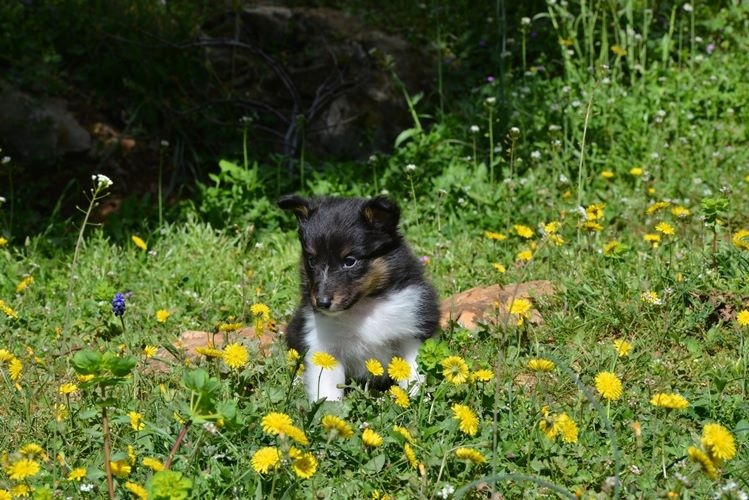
<point x="324" y="302"/>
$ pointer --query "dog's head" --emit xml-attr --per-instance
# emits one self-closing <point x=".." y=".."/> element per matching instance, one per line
<point x="345" y="245"/>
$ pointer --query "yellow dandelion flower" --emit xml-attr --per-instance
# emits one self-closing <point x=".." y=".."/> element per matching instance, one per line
<point x="265" y="459"/>
<point x="229" y="327"/>
<point x="519" y="308"/>
<point x="20" y="491"/>
<point x="337" y="426"/>
<point x="595" y="211"/>
<point x="567" y="428"/>
<point x="400" y="396"/>
<point x="61" y="411"/>
<point x="652" y="238"/>
<point x="495" y="236"/>
<point x="33" y="450"/>
<point x="404" y="433"/>
<point x="541" y="365"/>
<point x="5" y="355"/>
<point x="399" y="369"/>
<point x="611" y="247"/>
<point x="84" y="378"/>
<point x="5" y="494"/>
<point x="656" y="207"/>
<point x="408" y="451"/>
<point x="261" y="311"/>
<point x="7" y="310"/>
<point x="468" y="422"/>
<point x="499" y="268"/>
<point x="67" y="388"/>
<point x="619" y="50"/>
<point x="76" y="474"/>
<point x="150" y="351"/>
<point x="324" y="360"/>
<point x="162" y="315"/>
<point x="24" y="284"/>
<point x="523" y="231"/>
<point x="740" y="239"/>
<point x="120" y="468"/>
<point x="680" y="212"/>
<point x="455" y="370"/>
<point x="651" y="297"/>
<point x="636" y="171"/>
<point x="15" y="367"/>
<point x="292" y="356"/>
<point x="665" y="228"/>
<point x="136" y="420"/>
<point x="275" y="423"/>
<point x="371" y="438"/>
<point x="470" y="454"/>
<point x="608" y="386"/>
<point x="138" y="241"/>
<point x="742" y="318"/>
<point x="131" y="456"/>
<point x="374" y="367"/>
<point x="154" y="464"/>
<point x="669" y="401"/>
<point x="608" y="174"/>
<point x="718" y="442"/>
<point x="524" y="255"/>
<point x="482" y="375"/>
<point x="591" y="225"/>
<point x="3" y="241"/>
<point x="209" y="351"/>
<point x="305" y="465"/>
<point x="699" y="456"/>
<point x="137" y="490"/>
<point x="296" y="434"/>
<point x="21" y="469"/>
<point x="236" y="356"/>
<point x="623" y="348"/>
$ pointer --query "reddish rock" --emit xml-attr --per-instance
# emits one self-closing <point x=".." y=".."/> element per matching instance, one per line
<point x="488" y="304"/>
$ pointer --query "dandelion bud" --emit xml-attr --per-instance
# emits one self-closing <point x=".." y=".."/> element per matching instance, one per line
<point x="514" y="133"/>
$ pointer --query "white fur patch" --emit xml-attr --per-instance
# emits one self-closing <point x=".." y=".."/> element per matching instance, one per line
<point x="374" y="327"/>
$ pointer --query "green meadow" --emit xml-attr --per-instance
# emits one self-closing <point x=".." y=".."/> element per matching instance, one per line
<point x="615" y="166"/>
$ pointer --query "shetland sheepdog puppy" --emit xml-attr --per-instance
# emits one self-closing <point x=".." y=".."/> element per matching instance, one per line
<point x="364" y="294"/>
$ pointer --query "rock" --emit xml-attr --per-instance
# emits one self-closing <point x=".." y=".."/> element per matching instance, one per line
<point x="333" y="62"/>
<point x="479" y="305"/>
<point x="38" y="129"/>
<point x="189" y="341"/>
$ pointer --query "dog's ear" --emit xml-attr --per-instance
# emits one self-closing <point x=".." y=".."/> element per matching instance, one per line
<point x="382" y="213"/>
<point x="295" y="203"/>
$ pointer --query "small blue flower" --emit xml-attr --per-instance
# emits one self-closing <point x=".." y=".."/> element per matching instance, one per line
<point x="118" y="304"/>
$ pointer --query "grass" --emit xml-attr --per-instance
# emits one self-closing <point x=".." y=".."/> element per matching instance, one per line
<point x="628" y="147"/>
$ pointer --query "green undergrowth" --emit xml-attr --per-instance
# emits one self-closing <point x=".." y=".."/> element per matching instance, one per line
<point x="624" y="187"/>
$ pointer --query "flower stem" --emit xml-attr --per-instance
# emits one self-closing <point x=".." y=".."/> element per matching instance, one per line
<point x="177" y="443"/>
<point x="107" y="451"/>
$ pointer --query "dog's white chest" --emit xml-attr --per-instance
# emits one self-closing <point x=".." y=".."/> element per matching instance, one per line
<point x="373" y="328"/>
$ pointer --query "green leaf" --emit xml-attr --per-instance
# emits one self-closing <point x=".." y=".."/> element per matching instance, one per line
<point x="375" y="464"/>
<point x="406" y="135"/>
<point x="87" y="362"/>
<point x="122" y="366"/>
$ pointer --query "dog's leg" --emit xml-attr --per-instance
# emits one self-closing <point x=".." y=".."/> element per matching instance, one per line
<point x="321" y="383"/>
<point x="409" y="351"/>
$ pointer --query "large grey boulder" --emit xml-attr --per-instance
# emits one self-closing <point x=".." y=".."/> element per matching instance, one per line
<point x="38" y="129"/>
<point x="318" y="72"/>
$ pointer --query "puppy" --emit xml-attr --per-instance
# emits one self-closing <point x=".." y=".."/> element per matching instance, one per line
<point x="364" y="294"/>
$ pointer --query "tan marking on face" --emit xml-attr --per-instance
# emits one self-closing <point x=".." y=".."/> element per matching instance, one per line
<point x="375" y="277"/>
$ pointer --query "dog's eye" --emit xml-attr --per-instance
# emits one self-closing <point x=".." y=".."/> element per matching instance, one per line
<point x="349" y="261"/>
<point x="311" y="260"/>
